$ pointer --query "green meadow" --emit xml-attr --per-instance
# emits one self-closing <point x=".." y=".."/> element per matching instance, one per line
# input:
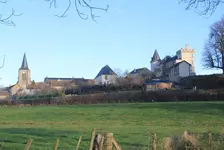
<point x="130" y="123"/>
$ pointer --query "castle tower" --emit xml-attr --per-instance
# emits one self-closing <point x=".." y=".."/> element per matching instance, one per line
<point x="155" y="62"/>
<point x="24" y="74"/>
<point x="186" y="54"/>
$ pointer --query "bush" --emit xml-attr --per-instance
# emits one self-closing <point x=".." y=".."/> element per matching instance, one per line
<point x="203" y="82"/>
<point x="125" y="97"/>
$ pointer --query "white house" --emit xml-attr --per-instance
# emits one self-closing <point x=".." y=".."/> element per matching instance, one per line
<point x="180" y="70"/>
<point x="106" y="76"/>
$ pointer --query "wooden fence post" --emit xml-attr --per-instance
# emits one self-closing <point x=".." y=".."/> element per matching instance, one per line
<point x="56" y="144"/>
<point x="153" y="141"/>
<point x="92" y="139"/>
<point x="116" y="144"/>
<point x="80" y="138"/>
<point x="28" y="144"/>
<point x="210" y="141"/>
<point x="108" y="141"/>
<point x="101" y="143"/>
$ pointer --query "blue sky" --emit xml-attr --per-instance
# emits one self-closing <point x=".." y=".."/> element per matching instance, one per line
<point x="125" y="37"/>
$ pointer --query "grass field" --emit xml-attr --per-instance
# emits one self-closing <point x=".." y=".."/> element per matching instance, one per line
<point x="130" y="123"/>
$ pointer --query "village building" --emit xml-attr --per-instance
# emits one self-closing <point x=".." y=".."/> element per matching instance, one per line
<point x="24" y="79"/>
<point x="58" y="83"/>
<point x="106" y="76"/>
<point x="176" y="67"/>
<point x="140" y="72"/>
<point x="139" y="75"/>
<point x="61" y="83"/>
<point x="24" y="85"/>
<point x="180" y="70"/>
<point x="157" y="84"/>
<point x="4" y="94"/>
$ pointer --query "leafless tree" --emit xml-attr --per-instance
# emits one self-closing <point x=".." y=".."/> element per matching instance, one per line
<point x="7" y="19"/>
<point x="213" y="55"/>
<point x="79" y="5"/>
<point x="119" y="72"/>
<point x="3" y="63"/>
<point x="203" y="7"/>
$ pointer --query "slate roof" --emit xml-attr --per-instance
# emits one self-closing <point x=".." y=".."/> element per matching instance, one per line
<point x="81" y="81"/>
<point x="56" y="79"/>
<point x="106" y="70"/>
<point x="4" y="93"/>
<point x="155" y="57"/>
<point x="177" y="64"/>
<point x="37" y="85"/>
<point x="140" y="70"/>
<point x="157" y="81"/>
<point x="168" y="59"/>
<point x="24" y="65"/>
<point x="59" y="83"/>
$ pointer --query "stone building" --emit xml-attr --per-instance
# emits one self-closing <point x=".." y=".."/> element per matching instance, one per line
<point x="106" y="76"/>
<point x="24" y="74"/>
<point x="176" y="67"/>
<point x="24" y="79"/>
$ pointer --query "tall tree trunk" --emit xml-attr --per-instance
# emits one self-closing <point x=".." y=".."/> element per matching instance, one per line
<point x="222" y="63"/>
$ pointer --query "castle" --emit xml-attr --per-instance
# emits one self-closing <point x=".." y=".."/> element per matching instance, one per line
<point x="176" y="67"/>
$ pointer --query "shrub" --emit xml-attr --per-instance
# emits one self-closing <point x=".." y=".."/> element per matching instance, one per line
<point x="203" y="82"/>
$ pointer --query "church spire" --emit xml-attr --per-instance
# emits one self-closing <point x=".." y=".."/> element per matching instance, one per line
<point x="155" y="57"/>
<point x="24" y="63"/>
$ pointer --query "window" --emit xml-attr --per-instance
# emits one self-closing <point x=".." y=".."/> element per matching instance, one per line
<point x="176" y="71"/>
<point x="105" y="77"/>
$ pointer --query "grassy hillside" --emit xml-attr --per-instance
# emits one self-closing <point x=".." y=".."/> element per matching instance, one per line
<point x="130" y="123"/>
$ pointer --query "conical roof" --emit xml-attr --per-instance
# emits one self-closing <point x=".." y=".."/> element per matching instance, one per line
<point x="155" y="57"/>
<point x="24" y="65"/>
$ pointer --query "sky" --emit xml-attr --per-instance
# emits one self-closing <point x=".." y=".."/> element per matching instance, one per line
<point x="124" y="38"/>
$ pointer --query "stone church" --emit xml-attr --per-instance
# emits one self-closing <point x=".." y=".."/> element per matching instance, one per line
<point x="24" y="79"/>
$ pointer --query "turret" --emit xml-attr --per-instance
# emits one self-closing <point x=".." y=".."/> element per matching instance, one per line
<point x="155" y="61"/>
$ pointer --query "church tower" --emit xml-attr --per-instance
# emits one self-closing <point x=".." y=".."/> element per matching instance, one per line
<point x="24" y="74"/>
<point x="155" y="62"/>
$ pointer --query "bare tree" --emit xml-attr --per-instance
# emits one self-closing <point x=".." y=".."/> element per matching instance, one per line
<point x="213" y="55"/>
<point x="3" y="63"/>
<point x="119" y="72"/>
<point x="203" y="7"/>
<point x="79" y="5"/>
<point x="7" y="19"/>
